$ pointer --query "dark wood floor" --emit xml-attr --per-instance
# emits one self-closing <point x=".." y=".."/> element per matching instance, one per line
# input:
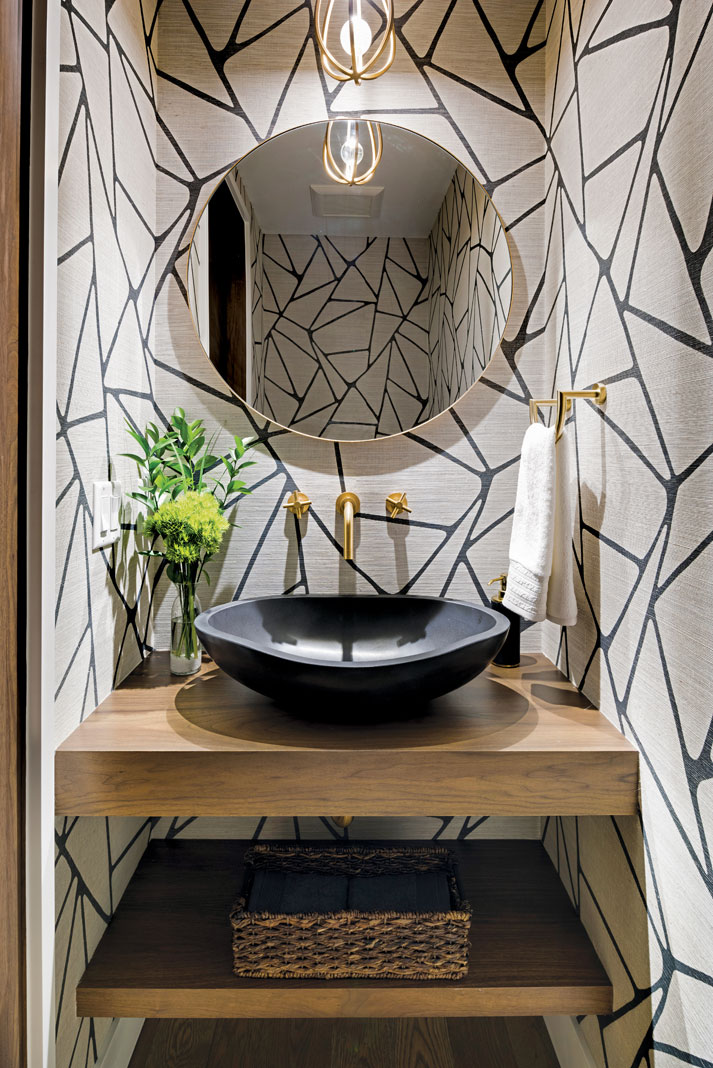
<point x="422" y="1043"/>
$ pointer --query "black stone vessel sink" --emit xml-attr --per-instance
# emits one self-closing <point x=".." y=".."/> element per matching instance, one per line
<point x="352" y="649"/>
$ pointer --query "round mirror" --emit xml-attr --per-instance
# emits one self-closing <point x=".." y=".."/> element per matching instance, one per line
<point x="349" y="279"/>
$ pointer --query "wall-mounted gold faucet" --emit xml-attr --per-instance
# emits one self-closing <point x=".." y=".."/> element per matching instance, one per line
<point x="347" y="504"/>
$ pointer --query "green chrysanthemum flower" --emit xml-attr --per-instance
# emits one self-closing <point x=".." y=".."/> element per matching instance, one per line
<point x="190" y="525"/>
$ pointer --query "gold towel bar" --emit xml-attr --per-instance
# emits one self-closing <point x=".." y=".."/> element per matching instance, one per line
<point x="563" y="400"/>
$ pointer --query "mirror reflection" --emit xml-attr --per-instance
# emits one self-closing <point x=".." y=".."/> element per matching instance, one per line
<point x="350" y="280"/>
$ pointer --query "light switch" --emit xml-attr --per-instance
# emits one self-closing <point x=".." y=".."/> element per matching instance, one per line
<point x="106" y="525"/>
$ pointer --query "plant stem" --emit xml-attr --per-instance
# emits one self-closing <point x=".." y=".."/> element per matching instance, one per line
<point x="186" y="585"/>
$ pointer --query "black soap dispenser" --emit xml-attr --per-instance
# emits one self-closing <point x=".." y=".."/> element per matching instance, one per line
<point x="509" y="655"/>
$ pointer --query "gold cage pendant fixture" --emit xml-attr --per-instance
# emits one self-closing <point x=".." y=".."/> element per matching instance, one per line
<point x="368" y="48"/>
<point x="352" y="150"/>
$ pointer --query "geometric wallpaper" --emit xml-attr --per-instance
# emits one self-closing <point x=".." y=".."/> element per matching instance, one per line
<point x="157" y="102"/>
<point x="344" y="334"/>
<point x="109" y="252"/>
<point x="589" y="151"/>
<point x="629" y="284"/>
<point x="248" y="72"/>
<point x="362" y="337"/>
<point x="228" y="76"/>
<point x="470" y="288"/>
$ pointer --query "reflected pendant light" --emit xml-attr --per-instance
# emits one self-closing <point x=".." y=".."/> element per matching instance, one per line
<point x="352" y="150"/>
<point x="361" y="48"/>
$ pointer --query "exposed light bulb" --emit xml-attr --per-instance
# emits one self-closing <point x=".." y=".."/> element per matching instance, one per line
<point x="369" y="52"/>
<point x="360" y="140"/>
<point x="350" y="147"/>
<point x="362" y="36"/>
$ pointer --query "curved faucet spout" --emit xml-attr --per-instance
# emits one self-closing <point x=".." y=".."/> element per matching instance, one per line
<point x="347" y="505"/>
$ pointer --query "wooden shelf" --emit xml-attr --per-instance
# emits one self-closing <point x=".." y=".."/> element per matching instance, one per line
<point x="167" y="951"/>
<point x="512" y="742"/>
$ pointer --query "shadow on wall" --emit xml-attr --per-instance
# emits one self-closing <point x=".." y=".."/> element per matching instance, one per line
<point x="398" y="531"/>
<point x="133" y="578"/>
<point x="589" y="595"/>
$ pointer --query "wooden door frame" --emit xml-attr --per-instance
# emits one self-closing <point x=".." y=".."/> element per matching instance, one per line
<point x="38" y="407"/>
<point x="14" y="171"/>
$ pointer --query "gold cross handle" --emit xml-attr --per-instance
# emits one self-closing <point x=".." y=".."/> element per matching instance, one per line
<point x="298" y="503"/>
<point x="396" y="503"/>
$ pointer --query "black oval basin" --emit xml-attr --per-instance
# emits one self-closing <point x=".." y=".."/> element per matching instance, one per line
<point x="352" y="648"/>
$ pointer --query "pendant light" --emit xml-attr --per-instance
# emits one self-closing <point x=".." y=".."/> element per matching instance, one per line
<point x="356" y="38"/>
<point x="349" y="143"/>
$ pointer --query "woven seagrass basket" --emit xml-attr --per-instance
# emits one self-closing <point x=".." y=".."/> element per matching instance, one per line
<point x="351" y="944"/>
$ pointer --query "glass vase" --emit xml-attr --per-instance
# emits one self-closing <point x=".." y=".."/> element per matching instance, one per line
<point x="185" y="646"/>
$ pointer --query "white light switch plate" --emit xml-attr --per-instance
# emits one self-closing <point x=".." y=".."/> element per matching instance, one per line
<point x="106" y="517"/>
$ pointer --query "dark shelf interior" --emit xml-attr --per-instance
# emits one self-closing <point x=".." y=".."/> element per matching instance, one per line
<point x="167" y="952"/>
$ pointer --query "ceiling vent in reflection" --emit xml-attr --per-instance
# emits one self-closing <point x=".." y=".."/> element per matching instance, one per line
<point x="329" y="201"/>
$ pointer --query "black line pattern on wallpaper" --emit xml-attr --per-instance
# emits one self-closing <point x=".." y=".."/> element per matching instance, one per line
<point x="630" y="233"/>
<point x="344" y="340"/>
<point x="108" y="249"/>
<point x="470" y="288"/>
<point x="132" y="180"/>
<point x="590" y="293"/>
<point x="357" y="338"/>
<point x="91" y="872"/>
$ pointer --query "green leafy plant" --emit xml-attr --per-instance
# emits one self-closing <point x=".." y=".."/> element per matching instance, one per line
<point x="185" y="489"/>
<point x="176" y="459"/>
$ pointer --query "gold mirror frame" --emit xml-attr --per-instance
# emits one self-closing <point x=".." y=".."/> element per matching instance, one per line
<point x="316" y="437"/>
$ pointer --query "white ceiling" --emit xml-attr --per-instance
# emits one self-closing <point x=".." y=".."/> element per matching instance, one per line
<point x="414" y="172"/>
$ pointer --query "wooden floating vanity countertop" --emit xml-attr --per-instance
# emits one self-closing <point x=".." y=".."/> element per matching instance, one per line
<point x="517" y="741"/>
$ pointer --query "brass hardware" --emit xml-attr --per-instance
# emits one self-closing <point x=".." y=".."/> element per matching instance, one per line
<point x="503" y="580"/>
<point x="563" y="401"/>
<point x="347" y="504"/>
<point x="535" y="404"/>
<point x="356" y="41"/>
<point x="347" y="172"/>
<point x="342" y="821"/>
<point x="597" y="393"/>
<point x="298" y="503"/>
<point x="396" y="503"/>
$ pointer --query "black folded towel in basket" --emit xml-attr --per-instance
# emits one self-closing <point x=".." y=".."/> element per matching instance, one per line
<point x="289" y="893"/>
<point x="416" y="892"/>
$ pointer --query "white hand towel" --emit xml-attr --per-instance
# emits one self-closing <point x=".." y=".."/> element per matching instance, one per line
<point x="561" y="602"/>
<point x="531" y="539"/>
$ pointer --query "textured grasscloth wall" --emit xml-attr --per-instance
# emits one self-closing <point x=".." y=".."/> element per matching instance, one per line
<point x="470" y="288"/>
<point x="133" y="180"/>
<point x="611" y="281"/>
<point x="130" y="187"/>
<point x="230" y="76"/>
<point x="108" y="258"/>
<point x="629" y="121"/>
<point x="345" y="334"/>
<point x="247" y="71"/>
